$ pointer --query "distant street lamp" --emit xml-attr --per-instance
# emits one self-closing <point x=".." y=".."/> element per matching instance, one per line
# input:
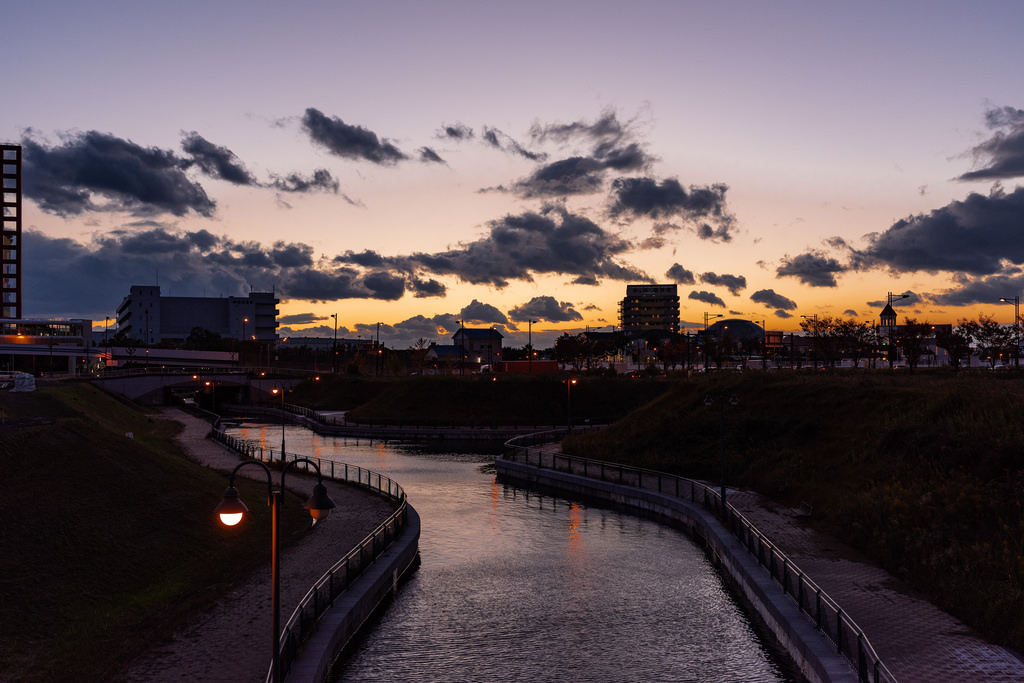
<point x="709" y="401"/>
<point x="813" y="325"/>
<point x="530" y="346"/>
<point x="568" y="399"/>
<point x="462" y="344"/>
<point x="704" y="338"/>
<point x="334" y="361"/>
<point x="231" y="510"/>
<point x="275" y="391"/>
<point x="1016" y="327"/>
<point x="377" y="358"/>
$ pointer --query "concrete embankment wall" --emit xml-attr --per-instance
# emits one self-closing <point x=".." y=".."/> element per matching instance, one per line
<point x="816" y="658"/>
<point x="344" y="620"/>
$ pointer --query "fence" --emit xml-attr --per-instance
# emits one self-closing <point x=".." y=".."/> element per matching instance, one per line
<point x="849" y="640"/>
<point x="325" y="591"/>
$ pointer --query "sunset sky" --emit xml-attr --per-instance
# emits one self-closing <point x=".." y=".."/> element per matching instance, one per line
<point x="414" y="163"/>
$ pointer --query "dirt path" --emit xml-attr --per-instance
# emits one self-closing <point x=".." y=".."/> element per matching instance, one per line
<point x="231" y="640"/>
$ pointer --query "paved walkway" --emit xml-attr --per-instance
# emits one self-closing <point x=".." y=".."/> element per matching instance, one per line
<point x="917" y="641"/>
<point x="231" y="641"/>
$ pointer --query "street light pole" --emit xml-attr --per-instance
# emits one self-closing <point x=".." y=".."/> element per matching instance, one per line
<point x="704" y="338"/>
<point x="1016" y="327"/>
<point x="274" y="391"/>
<point x="231" y="510"/>
<point x="377" y="356"/>
<point x="530" y="345"/>
<point x="568" y="399"/>
<point x="708" y="401"/>
<point x="334" y="360"/>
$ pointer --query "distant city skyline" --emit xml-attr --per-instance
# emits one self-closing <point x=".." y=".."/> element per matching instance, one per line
<point x="410" y="165"/>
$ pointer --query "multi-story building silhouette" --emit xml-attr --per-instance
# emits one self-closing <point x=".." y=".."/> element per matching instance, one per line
<point x="149" y="318"/>
<point x="649" y="308"/>
<point x="10" y="213"/>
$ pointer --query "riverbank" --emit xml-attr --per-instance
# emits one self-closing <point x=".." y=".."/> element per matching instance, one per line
<point x="230" y="640"/>
<point x="916" y="641"/>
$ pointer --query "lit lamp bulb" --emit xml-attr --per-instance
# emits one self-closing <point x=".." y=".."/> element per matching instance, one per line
<point x="231" y="508"/>
<point x="319" y="504"/>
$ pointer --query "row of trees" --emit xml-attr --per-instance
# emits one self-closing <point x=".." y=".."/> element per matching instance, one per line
<point x="835" y="338"/>
<point x="829" y="340"/>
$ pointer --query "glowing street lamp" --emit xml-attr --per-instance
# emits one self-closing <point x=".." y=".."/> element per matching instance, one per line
<point x="568" y="399"/>
<point x="275" y="391"/>
<point x="232" y="509"/>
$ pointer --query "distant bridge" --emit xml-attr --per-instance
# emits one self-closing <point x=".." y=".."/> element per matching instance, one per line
<point x="205" y="386"/>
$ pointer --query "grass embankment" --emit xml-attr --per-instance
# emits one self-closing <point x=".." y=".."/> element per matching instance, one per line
<point x="479" y="400"/>
<point x="106" y="542"/>
<point x="924" y="473"/>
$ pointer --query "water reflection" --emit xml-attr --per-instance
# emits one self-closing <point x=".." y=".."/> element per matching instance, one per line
<point x="519" y="586"/>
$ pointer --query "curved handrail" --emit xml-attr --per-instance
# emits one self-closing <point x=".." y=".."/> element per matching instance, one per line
<point x="828" y="617"/>
<point x="325" y="591"/>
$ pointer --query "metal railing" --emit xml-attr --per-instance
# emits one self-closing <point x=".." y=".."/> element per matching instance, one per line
<point x="540" y="450"/>
<point x="325" y="591"/>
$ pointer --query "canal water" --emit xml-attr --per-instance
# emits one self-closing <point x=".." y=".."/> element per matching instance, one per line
<point x="515" y="585"/>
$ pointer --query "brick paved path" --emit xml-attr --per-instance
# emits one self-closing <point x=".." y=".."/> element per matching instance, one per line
<point x="917" y="641"/>
<point x="231" y="641"/>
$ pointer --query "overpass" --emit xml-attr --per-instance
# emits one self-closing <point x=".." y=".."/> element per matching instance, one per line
<point x="205" y="387"/>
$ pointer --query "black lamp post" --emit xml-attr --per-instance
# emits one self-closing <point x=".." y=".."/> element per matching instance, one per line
<point x="1016" y="326"/>
<point x="708" y="401"/>
<point x="568" y="399"/>
<point x="334" y="357"/>
<point x="275" y="390"/>
<point x="529" y="358"/>
<point x="703" y="339"/>
<point x="231" y="509"/>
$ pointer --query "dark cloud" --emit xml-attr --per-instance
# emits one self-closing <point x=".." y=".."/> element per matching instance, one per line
<point x="190" y="264"/>
<point x="978" y="235"/>
<point x="812" y="268"/>
<point x="680" y="275"/>
<point x="552" y="241"/>
<point x="495" y="138"/>
<point x="707" y="297"/>
<point x="734" y="283"/>
<point x="771" y="299"/>
<point x="366" y="258"/>
<point x="429" y="156"/>
<point x="477" y="313"/>
<point x="321" y="181"/>
<point x="301" y="319"/>
<point x="605" y="130"/>
<point x="583" y="173"/>
<point x="456" y="131"/>
<point x="99" y="172"/>
<point x="904" y="299"/>
<point x="545" y="308"/>
<point x="348" y="141"/>
<point x="1003" y="153"/>
<point x="214" y="161"/>
<point x="979" y="290"/>
<point x="850" y="313"/>
<point x="427" y="288"/>
<point x="384" y="285"/>
<point x="575" y="175"/>
<point x="646" y="198"/>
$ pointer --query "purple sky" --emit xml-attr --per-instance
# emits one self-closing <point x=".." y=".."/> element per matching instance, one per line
<point x="416" y="163"/>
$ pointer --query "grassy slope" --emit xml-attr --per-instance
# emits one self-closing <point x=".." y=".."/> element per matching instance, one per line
<point x="924" y="473"/>
<point x="106" y="541"/>
<point x="479" y="400"/>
